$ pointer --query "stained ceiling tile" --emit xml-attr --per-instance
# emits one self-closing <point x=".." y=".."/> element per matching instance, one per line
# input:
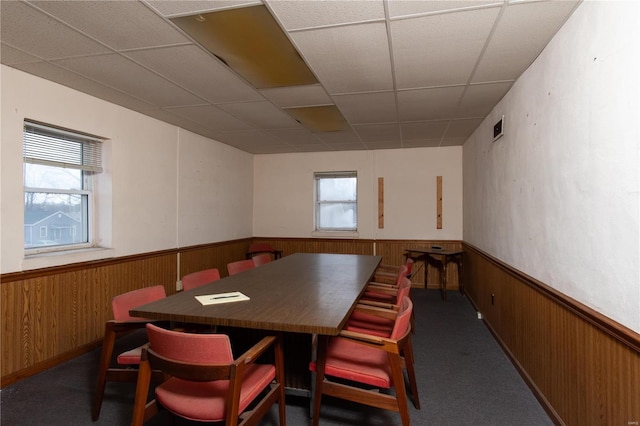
<point x="348" y="59"/>
<point x="377" y="107"/>
<point x="296" y="96"/>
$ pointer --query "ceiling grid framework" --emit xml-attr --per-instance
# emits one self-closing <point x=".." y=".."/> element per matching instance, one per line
<point x="402" y="73"/>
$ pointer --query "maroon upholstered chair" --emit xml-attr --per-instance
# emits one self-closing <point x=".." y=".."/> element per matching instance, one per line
<point x="375" y="362"/>
<point x="240" y="266"/>
<point x="205" y="383"/>
<point x="261" y="259"/>
<point x="369" y="317"/>
<point x="126" y="370"/>
<point x="260" y="248"/>
<point x="196" y="279"/>
<point x="389" y="273"/>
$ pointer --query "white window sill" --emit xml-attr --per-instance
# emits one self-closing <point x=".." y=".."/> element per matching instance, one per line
<point x="63" y="257"/>
<point x="336" y="234"/>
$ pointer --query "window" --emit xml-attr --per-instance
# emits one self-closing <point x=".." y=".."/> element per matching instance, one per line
<point x="58" y="168"/>
<point x="336" y="201"/>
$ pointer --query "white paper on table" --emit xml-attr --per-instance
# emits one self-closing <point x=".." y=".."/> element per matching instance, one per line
<point x="213" y="299"/>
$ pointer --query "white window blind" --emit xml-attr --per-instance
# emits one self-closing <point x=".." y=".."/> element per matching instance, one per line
<point x="52" y="146"/>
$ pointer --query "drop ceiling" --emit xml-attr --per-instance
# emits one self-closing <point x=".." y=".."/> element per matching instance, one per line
<point x="401" y="73"/>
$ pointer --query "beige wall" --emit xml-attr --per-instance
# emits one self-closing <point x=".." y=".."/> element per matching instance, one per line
<point x="557" y="197"/>
<point x="283" y="197"/>
<point x="162" y="186"/>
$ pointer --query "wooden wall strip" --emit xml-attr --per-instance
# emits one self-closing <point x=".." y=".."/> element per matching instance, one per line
<point x="439" y="202"/>
<point x="380" y="203"/>
<point x="583" y="367"/>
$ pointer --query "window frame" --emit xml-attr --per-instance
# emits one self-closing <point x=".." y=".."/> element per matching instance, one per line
<point x="318" y="177"/>
<point x="88" y="167"/>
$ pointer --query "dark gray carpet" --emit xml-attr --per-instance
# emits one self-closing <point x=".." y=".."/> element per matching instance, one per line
<point x="464" y="378"/>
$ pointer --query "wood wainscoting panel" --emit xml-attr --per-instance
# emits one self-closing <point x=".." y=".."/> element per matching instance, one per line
<point x="583" y="367"/>
<point x="49" y="318"/>
<point x="319" y="245"/>
<point x="216" y="255"/>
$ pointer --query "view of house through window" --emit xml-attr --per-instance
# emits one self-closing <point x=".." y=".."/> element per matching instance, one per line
<point x="58" y="169"/>
<point x="336" y="201"/>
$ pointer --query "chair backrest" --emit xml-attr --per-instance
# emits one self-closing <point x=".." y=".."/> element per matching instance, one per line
<point x="123" y="303"/>
<point x="261" y="259"/>
<point x="261" y="248"/>
<point x="190" y="347"/>
<point x="404" y="287"/>
<point x="196" y="279"/>
<point x="403" y="320"/>
<point x="240" y="266"/>
<point x="409" y="265"/>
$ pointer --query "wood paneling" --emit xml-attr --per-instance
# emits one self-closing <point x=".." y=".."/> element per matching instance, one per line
<point x="584" y="368"/>
<point x="216" y="255"/>
<point x="52" y="316"/>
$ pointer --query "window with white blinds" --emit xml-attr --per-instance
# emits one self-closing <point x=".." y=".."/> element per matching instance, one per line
<point x="59" y="168"/>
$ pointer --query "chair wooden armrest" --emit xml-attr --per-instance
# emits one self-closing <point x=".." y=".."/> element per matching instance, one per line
<point x="377" y="311"/>
<point x="256" y="350"/>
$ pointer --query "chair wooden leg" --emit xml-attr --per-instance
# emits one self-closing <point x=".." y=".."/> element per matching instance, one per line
<point x="320" y="368"/>
<point x="105" y="361"/>
<point x="411" y="372"/>
<point x="280" y="377"/>
<point x="398" y="384"/>
<point x="141" y="410"/>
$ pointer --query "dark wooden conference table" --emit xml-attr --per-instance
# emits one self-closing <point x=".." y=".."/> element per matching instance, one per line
<point x="300" y="295"/>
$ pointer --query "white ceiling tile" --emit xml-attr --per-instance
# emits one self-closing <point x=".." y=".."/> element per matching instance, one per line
<point x="251" y="138"/>
<point x="204" y="76"/>
<point x="462" y="128"/>
<point x="378" y="132"/>
<point x="116" y="71"/>
<point x="428" y="104"/>
<point x="368" y="107"/>
<point x="295" y="136"/>
<point x="347" y="147"/>
<point x="421" y="143"/>
<point x="191" y="7"/>
<point x="305" y="14"/>
<point x="297" y="96"/>
<point x="11" y="56"/>
<point x="51" y="39"/>
<point x="211" y="117"/>
<point x="424" y="130"/>
<point x="508" y="53"/>
<point x="61" y="76"/>
<point x="348" y="59"/>
<point x="119" y="24"/>
<point x="412" y="7"/>
<point x="479" y="99"/>
<point x="453" y="141"/>
<point x="170" y="117"/>
<point x="311" y="148"/>
<point x="384" y="145"/>
<point x="262" y="115"/>
<point x="342" y="137"/>
<point x="439" y="50"/>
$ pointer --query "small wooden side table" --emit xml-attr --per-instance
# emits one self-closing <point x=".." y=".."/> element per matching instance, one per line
<point x="438" y="258"/>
